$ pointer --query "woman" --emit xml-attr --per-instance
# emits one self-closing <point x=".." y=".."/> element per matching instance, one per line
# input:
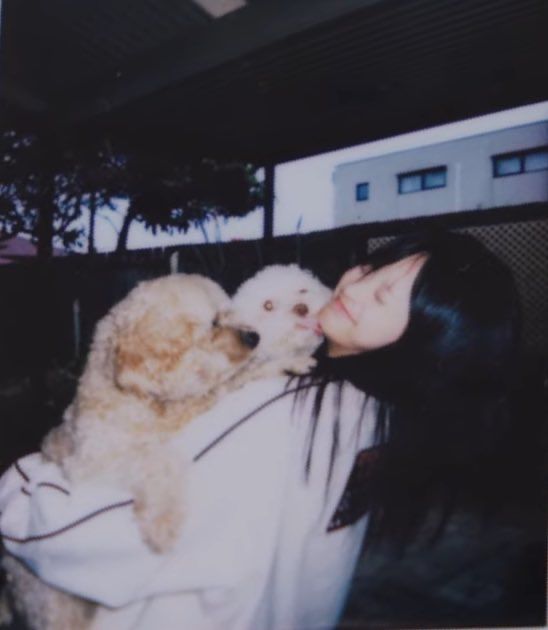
<point x="398" y="420"/>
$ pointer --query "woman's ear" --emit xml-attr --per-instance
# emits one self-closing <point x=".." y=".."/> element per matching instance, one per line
<point x="147" y="350"/>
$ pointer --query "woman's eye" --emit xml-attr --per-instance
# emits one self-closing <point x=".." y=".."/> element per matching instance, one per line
<point x="361" y="271"/>
<point x="353" y="275"/>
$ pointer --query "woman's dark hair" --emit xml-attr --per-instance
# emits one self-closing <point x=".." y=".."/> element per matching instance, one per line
<point x="441" y="389"/>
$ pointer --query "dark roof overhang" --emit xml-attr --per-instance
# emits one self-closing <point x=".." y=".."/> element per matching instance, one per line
<point x="274" y="80"/>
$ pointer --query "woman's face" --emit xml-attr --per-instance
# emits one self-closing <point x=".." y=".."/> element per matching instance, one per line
<point x="370" y="309"/>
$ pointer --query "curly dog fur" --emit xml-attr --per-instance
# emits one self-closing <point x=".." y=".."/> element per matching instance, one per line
<point x="159" y="358"/>
<point x="280" y="303"/>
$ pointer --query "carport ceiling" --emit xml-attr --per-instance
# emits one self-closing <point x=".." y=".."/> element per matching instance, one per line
<point x="269" y="80"/>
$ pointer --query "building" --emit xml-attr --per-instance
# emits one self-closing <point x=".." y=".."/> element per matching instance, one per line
<point x="500" y="168"/>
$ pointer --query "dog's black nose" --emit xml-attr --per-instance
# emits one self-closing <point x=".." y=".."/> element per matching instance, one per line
<point x="249" y="338"/>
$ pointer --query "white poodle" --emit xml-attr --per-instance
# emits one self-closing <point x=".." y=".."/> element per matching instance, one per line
<point x="281" y="304"/>
<point x="159" y="358"/>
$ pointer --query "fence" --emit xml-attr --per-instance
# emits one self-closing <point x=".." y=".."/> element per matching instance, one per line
<point x="520" y="238"/>
<point x="51" y="312"/>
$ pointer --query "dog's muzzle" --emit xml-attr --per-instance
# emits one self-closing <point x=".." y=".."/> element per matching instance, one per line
<point x="249" y="338"/>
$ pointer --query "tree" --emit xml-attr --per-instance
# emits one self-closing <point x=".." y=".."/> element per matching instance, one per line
<point x="97" y="180"/>
<point x="11" y="221"/>
<point x="47" y="182"/>
<point x="35" y="186"/>
<point x="172" y="196"/>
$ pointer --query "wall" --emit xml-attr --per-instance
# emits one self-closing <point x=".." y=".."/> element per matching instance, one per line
<point x="470" y="181"/>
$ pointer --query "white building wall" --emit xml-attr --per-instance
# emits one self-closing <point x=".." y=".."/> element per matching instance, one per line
<point x="470" y="181"/>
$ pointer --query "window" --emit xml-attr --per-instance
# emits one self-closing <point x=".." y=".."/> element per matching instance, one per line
<point x="426" y="179"/>
<point x="362" y="191"/>
<point x="410" y="183"/>
<point x="526" y="161"/>
<point x="537" y="161"/>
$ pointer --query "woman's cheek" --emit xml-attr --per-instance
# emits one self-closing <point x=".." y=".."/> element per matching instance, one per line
<point x="328" y="321"/>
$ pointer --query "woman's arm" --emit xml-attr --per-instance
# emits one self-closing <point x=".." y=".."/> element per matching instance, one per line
<point x="83" y="538"/>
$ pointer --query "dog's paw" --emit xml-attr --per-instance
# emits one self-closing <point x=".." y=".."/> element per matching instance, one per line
<point x="159" y="527"/>
<point x="301" y="365"/>
<point x="58" y="444"/>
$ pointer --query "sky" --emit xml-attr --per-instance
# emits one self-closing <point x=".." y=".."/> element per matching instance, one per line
<point x="304" y="190"/>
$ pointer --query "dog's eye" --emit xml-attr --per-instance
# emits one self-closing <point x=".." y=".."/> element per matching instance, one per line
<point x="215" y="323"/>
<point x="268" y="306"/>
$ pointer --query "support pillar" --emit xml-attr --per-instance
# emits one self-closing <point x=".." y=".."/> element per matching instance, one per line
<point x="268" y="222"/>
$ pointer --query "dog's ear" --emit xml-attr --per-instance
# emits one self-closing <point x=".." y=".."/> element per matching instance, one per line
<point x="147" y="350"/>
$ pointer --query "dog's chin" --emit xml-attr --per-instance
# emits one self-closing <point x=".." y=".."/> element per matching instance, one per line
<point x="312" y="332"/>
<point x="301" y="341"/>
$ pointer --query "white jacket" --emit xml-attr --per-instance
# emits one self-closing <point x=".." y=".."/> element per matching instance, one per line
<point x="254" y="551"/>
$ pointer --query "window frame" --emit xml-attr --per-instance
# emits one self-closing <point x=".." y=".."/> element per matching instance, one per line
<point x="357" y="189"/>
<point x="422" y="173"/>
<point x="520" y="155"/>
